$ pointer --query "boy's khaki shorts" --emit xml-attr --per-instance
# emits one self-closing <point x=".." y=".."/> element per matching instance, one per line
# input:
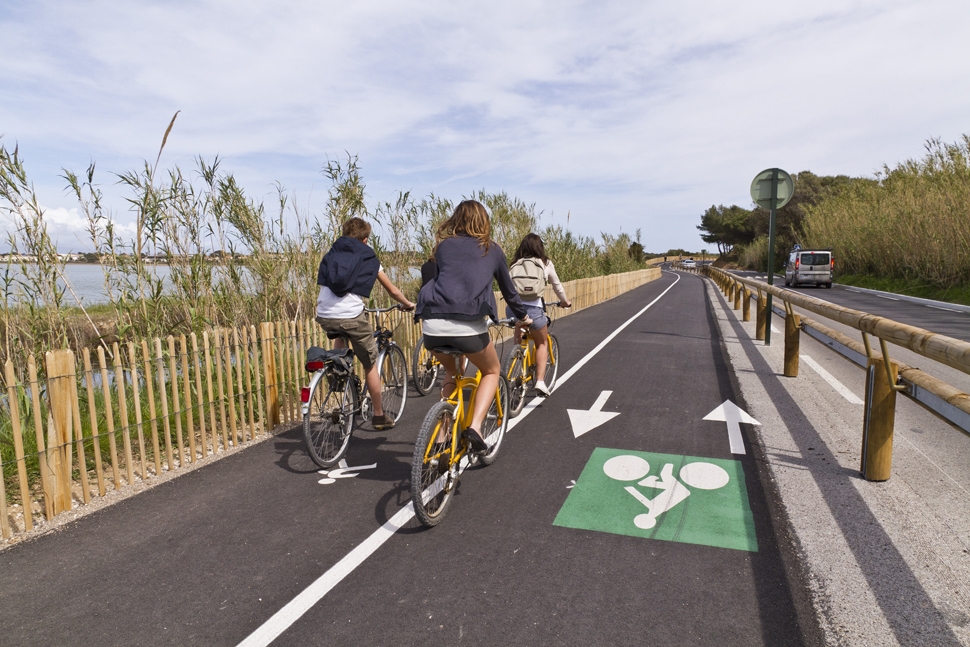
<point x="360" y="333"/>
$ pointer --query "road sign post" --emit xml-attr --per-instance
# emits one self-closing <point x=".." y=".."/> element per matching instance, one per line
<point x="771" y="189"/>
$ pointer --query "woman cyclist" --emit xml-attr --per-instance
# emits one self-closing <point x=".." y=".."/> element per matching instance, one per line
<point x="455" y="305"/>
<point x="531" y="247"/>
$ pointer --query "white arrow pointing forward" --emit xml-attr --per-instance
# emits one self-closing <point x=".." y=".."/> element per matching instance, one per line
<point x="583" y="421"/>
<point x="733" y="415"/>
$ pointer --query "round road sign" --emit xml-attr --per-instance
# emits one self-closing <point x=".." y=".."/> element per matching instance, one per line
<point x="761" y="188"/>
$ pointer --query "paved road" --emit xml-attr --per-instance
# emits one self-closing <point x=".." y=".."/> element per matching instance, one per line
<point x="559" y="542"/>
<point x="938" y="317"/>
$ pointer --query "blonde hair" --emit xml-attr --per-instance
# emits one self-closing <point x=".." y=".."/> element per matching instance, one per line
<point x="469" y="219"/>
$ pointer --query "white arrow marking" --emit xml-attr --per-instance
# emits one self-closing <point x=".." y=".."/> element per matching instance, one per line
<point x="583" y="421"/>
<point x="733" y="416"/>
<point x="342" y="472"/>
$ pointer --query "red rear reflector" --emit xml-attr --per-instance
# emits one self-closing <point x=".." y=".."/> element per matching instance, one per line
<point x="796" y="263"/>
<point x="313" y="367"/>
<point x="305" y="394"/>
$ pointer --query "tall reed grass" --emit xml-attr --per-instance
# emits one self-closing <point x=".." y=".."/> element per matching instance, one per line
<point x="912" y="224"/>
<point x="233" y="260"/>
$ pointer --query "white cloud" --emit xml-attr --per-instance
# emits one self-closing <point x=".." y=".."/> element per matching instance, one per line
<point x="625" y="114"/>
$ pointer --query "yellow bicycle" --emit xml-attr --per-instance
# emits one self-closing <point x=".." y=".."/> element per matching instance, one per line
<point x="519" y="369"/>
<point x="441" y="452"/>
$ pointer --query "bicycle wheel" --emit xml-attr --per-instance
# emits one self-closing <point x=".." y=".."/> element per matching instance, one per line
<point x="552" y="362"/>
<point x="496" y="423"/>
<point x="513" y="369"/>
<point x="424" y="368"/>
<point x="328" y="424"/>
<point x="433" y="478"/>
<point x="394" y="381"/>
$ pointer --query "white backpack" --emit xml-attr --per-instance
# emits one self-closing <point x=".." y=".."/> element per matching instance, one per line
<point x="529" y="277"/>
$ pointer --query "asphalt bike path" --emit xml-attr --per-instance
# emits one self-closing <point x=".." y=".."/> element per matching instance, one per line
<point x="209" y="557"/>
<point x="516" y="563"/>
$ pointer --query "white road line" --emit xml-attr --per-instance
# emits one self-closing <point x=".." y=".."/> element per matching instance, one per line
<point x="856" y="291"/>
<point x="883" y="296"/>
<point x="295" y="608"/>
<point x="941" y="308"/>
<point x="828" y="377"/>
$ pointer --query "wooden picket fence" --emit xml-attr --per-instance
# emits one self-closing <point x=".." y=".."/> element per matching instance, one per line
<point x="113" y="417"/>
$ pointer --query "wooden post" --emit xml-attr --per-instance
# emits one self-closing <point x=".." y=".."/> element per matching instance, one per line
<point x="760" y="311"/>
<point x="198" y="391"/>
<point x="60" y="434"/>
<point x="110" y="418"/>
<point x="95" y="430"/>
<point x="254" y="340"/>
<point x="5" y="531"/>
<point x="222" y="392"/>
<point x="737" y="296"/>
<point x="249" y="382"/>
<point x="792" y="328"/>
<point x="166" y="425"/>
<point x="269" y="372"/>
<point x="747" y="305"/>
<point x="136" y="398"/>
<point x="230" y="395"/>
<point x="240" y="396"/>
<point x="123" y="413"/>
<point x="45" y="476"/>
<point x="878" y="419"/>
<point x="173" y="378"/>
<point x="150" y="386"/>
<point x="18" y="443"/>
<point x="208" y="385"/>
<point x="187" y="396"/>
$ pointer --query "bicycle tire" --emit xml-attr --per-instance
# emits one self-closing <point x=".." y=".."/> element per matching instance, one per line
<point x="424" y="368"/>
<point x="329" y="423"/>
<point x="513" y="371"/>
<point x="552" y="363"/>
<point x="494" y="424"/>
<point x="428" y="473"/>
<point x="394" y="381"/>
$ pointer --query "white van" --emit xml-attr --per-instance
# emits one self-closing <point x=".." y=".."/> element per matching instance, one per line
<point x="811" y="266"/>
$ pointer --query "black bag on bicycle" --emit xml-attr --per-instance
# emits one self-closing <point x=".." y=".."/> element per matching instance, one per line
<point x="340" y="359"/>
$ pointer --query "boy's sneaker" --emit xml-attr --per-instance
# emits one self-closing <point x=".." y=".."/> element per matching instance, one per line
<point x="380" y="423"/>
<point x="543" y="389"/>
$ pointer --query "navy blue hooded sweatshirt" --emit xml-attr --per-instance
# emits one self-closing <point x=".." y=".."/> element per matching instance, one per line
<point x="349" y="266"/>
<point x="462" y="290"/>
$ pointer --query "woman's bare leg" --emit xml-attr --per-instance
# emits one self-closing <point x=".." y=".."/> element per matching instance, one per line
<point x="486" y="360"/>
<point x="541" y="339"/>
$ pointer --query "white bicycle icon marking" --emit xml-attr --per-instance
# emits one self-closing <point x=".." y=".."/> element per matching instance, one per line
<point x="700" y="475"/>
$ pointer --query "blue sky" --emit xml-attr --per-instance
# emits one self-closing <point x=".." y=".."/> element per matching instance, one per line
<point x="624" y="115"/>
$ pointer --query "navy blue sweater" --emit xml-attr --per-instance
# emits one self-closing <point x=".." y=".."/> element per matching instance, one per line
<point x="349" y="266"/>
<point x="462" y="289"/>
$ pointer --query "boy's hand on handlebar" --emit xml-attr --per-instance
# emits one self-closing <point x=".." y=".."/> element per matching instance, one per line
<point x="565" y="304"/>
<point x="407" y="306"/>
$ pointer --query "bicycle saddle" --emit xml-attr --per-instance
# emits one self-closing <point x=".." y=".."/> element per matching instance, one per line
<point x="336" y="335"/>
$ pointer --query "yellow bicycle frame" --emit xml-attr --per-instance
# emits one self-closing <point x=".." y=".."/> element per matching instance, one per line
<point x="529" y="356"/>
<point x="462" y="417"/>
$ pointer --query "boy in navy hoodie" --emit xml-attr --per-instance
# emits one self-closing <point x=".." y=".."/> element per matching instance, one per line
<point x="346" y="277"/>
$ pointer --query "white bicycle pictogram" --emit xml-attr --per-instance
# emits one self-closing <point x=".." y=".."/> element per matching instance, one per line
<point x="699" y="475"/>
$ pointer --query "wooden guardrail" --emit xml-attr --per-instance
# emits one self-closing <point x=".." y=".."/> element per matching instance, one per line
<point x="884" y="377"/>
<point x="74" y="428"/>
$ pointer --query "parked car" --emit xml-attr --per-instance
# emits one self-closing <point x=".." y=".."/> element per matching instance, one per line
<point x="809" y="266"/>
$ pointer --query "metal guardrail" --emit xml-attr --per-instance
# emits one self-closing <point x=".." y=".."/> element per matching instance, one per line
<point x="885" y="377"/>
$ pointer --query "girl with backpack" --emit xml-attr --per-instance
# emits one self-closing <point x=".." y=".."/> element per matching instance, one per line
<point x="454" y="305"/>
<point x="531" y="270"/>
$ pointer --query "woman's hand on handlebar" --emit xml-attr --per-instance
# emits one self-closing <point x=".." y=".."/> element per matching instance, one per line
<point x="565" y="304"/>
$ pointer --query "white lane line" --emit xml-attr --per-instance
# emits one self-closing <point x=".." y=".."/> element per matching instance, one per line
<point x="883" y="296"/>
<point x="295" y="608"/>
<point x="941" y="308"/>
<point x="856" y="291"/>
<point x="828" y="377"/>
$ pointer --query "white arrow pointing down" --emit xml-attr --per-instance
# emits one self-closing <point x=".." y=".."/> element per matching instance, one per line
<point x="733" y="415"/>
<point x="583" y="421"/>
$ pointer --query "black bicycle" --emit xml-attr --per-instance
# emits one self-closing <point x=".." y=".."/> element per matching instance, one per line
<point x="336" y="396"/>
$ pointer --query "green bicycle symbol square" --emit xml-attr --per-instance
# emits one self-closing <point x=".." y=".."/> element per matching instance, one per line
<point x="686" y="499"/>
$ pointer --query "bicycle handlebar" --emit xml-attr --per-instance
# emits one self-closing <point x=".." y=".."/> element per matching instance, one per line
<point x="396" y="306"/>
